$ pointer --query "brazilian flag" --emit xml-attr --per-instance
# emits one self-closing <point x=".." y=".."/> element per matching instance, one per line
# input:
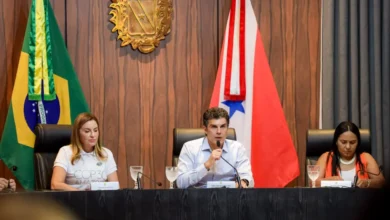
<point x="46" y="91"/>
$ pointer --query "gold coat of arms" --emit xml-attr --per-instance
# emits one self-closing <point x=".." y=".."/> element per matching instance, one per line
<point x="141" y="23"/>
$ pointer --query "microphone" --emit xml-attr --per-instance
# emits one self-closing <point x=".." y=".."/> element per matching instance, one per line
<point x="139" y="180"/>
<point x="238" y="179"/>
<point x="364" y="171"/>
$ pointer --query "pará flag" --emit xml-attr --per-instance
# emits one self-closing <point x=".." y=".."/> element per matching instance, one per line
<point x="246" y="89"/>
<point x="46" y="91"/>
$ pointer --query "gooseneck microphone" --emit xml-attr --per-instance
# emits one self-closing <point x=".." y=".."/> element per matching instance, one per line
<point x="139" y="180"/>
<point x="364" y="171"/>
<point x="238" y="179"/>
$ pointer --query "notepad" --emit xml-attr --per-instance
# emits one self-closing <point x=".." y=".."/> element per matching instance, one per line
<point x="336" y="183"/>
<point x="221" y="184"/>
<point x="104" y="185"/>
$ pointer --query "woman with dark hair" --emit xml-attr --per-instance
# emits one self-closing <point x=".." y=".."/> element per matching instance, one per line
<point x="346" y="159"/>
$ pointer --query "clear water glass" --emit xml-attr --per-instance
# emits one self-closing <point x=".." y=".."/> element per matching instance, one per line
<point x="134" y="170"/>
<point x="171" y="173"/>
<point x="313" y="171"/>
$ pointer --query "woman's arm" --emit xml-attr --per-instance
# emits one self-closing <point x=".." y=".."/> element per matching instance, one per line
<point x="374" y="181"/>
<point x="113" y="177"/>
<point x="58" y="180"/>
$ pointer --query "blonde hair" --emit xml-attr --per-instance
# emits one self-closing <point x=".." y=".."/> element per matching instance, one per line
<point x="75" y="142"/>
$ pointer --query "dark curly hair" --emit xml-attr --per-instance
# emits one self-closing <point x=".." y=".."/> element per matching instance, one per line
<point x="215" y="113"/>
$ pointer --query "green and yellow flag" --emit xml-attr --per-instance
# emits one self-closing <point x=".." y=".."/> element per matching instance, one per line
<point x="46" y="91"/>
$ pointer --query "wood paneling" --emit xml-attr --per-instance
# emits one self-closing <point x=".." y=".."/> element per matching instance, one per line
<point x="11" y="38"/>
<point x="140" y="98"/>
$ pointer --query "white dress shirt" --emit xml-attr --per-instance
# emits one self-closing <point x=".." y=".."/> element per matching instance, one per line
<point x="193" y="173"/>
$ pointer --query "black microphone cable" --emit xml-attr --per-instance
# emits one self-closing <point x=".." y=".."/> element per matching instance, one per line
<point x="238" y="179"/>
<point x="364" y="171"/>
<point x="139" y="180"/>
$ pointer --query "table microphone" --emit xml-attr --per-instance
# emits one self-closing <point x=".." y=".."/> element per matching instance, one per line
<point x="238" y="179"/>
<point x="364" y="171"/>
<point x="139" y="180"/>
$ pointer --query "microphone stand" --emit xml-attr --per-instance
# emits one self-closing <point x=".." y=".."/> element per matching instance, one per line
<point x="238" y="179"/>
<point x="139" y="180"/>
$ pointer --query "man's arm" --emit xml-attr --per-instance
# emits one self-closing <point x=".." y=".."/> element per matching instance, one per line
<point x="244" y="166"/>
<point x="188" y="176"/>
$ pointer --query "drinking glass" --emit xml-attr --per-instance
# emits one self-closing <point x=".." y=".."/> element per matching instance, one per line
<point x="134" y="170"/>
<point x="171" y="173"/>
<point x="313" y="171"/>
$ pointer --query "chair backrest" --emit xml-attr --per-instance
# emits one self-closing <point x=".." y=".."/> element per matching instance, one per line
<point x="182" y="135"/>
<point x="49" y="139"/>
<point x="319" y="141"/>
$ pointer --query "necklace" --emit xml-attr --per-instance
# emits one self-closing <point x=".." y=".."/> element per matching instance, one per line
<point x="348" y="162"/>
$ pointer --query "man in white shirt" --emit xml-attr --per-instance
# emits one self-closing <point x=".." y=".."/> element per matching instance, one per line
<point x="200" y="160"/>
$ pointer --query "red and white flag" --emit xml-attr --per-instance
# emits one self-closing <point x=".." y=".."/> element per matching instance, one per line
<point x="246" y="89"/>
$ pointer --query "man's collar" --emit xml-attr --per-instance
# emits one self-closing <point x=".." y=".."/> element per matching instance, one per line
<point x="206" y="146"/>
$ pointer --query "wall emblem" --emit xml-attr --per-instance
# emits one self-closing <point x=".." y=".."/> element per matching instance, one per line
<point x="141" y="23"/>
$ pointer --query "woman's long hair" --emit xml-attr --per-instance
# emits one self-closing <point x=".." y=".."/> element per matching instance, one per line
<point x="75" y="139"/>
<point x="334" y="152"/>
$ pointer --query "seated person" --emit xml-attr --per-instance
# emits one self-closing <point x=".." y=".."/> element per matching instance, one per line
<point x="200" y="160"/>
<point x="4" y="184"/>
<point x="85" y="160"/>
<point x="346" y="159"/>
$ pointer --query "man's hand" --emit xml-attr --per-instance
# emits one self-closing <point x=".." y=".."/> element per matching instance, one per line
<point x="4" y="184"/>
<point x="12" y="184"/>
<point x="363" y="183"/>
<point x="214" y="156"/>
<point x="243" y="184"/>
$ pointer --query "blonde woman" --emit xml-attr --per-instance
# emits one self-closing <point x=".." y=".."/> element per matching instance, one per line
<point x="85" y="160"/>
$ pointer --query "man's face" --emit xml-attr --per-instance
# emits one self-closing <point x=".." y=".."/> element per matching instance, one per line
<point x="216" y="130"/>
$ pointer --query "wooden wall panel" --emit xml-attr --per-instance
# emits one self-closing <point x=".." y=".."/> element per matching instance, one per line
<point x="59" y="8"/>
<point x="13" y="19"/>
<point x="290" y="32"/>
<point x="140" y="98"/>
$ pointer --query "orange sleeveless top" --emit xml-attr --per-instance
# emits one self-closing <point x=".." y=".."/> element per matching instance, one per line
<point x="361" y="175"/>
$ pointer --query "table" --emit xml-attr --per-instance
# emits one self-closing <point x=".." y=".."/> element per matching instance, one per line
<point x="283" y="203"/>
